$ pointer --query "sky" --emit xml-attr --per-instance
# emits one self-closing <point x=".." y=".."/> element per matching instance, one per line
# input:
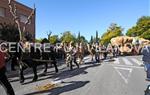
<point x="85" y="16"/>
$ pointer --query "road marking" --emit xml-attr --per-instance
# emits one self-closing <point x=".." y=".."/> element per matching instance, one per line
<point x="116" y="61"/>
<point x="118" y="69"/>
<point x="126" y="61"/>
<point x="127" y="66"/>
<point x="136" y="61"/>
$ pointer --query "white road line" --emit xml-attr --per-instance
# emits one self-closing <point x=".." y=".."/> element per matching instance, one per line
<point x="127" y="69"/>
<point x="136" y="67"/>
<point x="136" y="61"/>
<point x="116" y="61"/>
<point x="126" y="61"/>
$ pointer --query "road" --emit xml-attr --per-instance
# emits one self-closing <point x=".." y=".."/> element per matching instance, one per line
<point x="121" y="76"/>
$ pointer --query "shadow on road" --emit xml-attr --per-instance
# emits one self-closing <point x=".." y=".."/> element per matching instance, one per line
<point x="71" y="73"/>
<point x="57" y="91"/>
<point x="65" y="74"/>
<point x="61" y="75"/>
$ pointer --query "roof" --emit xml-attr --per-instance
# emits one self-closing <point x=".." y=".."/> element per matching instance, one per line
<point x="23" y="5"/>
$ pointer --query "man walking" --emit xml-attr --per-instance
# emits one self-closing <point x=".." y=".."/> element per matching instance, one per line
<point x="97" y="54"/>
<point x="3" y="78"/>
<point x="146" y="60"/>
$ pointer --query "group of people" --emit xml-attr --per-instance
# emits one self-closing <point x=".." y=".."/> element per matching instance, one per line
<point x="72" y="53"/>
<point x="32" y="57"/>
<point x="75" y="52"/>
<point x="101" y="52"/>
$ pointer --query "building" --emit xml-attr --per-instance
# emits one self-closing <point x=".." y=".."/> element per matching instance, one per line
<point x="22" y="12"/>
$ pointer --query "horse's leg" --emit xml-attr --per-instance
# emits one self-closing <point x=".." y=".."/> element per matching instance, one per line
<point x="56" y="69"/>
<point x="34" y="67"/>
<point x="21" y="74"/>
<point x="46" y="66"/>
<point x="13" y="62"/>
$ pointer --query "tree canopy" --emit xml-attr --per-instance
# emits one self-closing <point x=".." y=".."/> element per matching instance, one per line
<point x="141" y="29"/>
<point x="9" y="32"/>
<point x="38" y="40"/>
<point x="67" y="37"/>
<point x="113" y="31"/>
<point x="53" y="39"/>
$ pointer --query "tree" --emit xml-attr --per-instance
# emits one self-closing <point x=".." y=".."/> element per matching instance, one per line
<point x="82" y="39"/>
<point x="38" y="40"/>
<point x="113" y="31"/>
<point x="53" y="39"/>
<point x="13" y="11"/>
<point x="91" y="40"/>
<point x="146" y="34"/>
<point x="96" y="36"/>
<point x="78" y="38"/>
<point x="45" y="40"/>
<point x="9" y="32"/>
<point x="141" y="28"/>
<point x="67" y="37"/>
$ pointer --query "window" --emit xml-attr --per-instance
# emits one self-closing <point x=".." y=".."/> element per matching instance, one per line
<point x="2" y="12"/>
<point x="24" y="18"/>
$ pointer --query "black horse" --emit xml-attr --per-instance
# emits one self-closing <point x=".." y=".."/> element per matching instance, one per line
<point x="29" y="61"/>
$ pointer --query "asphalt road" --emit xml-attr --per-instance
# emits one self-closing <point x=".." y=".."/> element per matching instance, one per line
<point x="121" y="76"/>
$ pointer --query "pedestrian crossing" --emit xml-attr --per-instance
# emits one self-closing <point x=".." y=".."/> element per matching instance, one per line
<point x="137" y="61"/>
<point x="125" y="60"/>
<point x="129" y="61"/>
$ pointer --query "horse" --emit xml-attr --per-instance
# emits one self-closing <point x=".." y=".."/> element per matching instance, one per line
<point x="29" y="59"/>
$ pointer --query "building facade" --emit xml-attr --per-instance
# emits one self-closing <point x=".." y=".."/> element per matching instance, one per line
<point x="22" y="12"/>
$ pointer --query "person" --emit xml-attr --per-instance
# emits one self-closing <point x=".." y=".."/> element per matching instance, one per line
<point x="75" y="55"/>
<point x="91" y="50"/>
<point x="146" y="60"/>
<point x="97" y="54"/>
<point x="81" y="52"/>
<point x="3" y="78"/>
<point x="67" y="54"/>
<point x="104" y="51"/>
<point x="70" y="55"/>
<point x="115" y="51"/>
<point x="109" y="50"/>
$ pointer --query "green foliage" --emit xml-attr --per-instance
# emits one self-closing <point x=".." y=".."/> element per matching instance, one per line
<point x="91" y="40"/>
<point x="67" y="37"/>
<point x="146" y="34"/>
<point x="9" y="32"/>
<point x="53" y="39"/>
<point x="96" y="36"/>
<point x="141" y="28"/>
<point x="45" y="40"/>
<point x="113" y="31"/>
<point x="38" y="40"/>
<point x="82" y="39"/>
<point x="78" y="39"/>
